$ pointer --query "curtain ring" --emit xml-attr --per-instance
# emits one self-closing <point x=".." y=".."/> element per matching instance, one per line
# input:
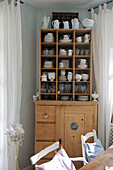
<point x="105" y="6"/>
<point x="100" y="8"/>
<point x="92" y="13"/>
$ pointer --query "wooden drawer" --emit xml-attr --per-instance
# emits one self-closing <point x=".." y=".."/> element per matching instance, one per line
<point x="45" y="113"/>
<point x="45" y="132"/>
<point x="39" y="146"/>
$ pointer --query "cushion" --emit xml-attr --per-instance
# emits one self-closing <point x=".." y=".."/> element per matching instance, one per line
<point x="60" y="161"/>
<point x="93" y="149"/>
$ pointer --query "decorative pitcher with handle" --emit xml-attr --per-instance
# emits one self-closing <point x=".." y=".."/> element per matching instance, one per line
<point x="66" y="24"/>
<point x="75" y="23"/>
<point x="56" y="24"/>
<point x="45" y="22"/>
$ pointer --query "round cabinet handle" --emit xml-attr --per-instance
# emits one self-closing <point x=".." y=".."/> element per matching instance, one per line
<point x="46" y="116"/>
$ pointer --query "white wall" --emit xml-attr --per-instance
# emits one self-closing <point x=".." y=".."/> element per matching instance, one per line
<point x="27" y="117"/>
<point x="31" y="23"/>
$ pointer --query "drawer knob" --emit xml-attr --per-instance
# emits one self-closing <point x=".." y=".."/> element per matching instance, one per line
<point x="46" y="116"/>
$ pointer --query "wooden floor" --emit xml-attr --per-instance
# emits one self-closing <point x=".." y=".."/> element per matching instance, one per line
<point x="101" y="161"/>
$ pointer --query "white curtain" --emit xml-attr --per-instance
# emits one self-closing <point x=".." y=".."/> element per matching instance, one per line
<point x="103" y="69"/>
<point x="10" y="76"/>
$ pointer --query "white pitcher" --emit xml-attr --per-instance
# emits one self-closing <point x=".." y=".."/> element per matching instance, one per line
<point x="75" y="23"/>
<point x="45" y="22"/>
<point x="56" y="24"/>
<point x="66" y="24"/>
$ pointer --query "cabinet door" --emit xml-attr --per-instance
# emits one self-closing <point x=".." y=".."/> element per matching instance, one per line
<point x="74" y="127"/>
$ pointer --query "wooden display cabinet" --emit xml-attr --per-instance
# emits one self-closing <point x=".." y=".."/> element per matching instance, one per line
<point x="65" y="120"/>
<point x="73" y="64"/>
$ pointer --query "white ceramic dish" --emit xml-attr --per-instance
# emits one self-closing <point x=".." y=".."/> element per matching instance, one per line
<point x="65" y="40"/>
<point x="63" y="53"/>
<point x="64" y="98"/>
<point x="82" y="66"/>
<point x="82" y="98"/>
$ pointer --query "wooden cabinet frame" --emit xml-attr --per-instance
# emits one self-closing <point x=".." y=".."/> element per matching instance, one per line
<point x="57" y="45"/>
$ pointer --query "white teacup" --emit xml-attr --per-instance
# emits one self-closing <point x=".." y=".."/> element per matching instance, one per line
<point x="79" y="39"/>
<point x="61" y="65"/>
<point x="70" y="52"/>
<point x="66" y="37"/>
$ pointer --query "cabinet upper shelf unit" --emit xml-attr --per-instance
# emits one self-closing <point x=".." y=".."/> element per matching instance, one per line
<point x="65" y="64"/>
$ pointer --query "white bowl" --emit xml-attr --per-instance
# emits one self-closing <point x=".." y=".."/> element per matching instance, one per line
<point x="95" y="96"/>
<point x="85" y="77"/>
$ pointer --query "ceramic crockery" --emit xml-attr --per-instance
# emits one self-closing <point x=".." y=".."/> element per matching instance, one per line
<point x="79" y="39"/>
<point x="78" y="77"/>
<point x="51" y="76"/>
<point x="70" y="75"/>
<point x="45" y="21"/>
<point x="70" y="52"/>
<point x="75" y="23"/>
<point x="56" y="24"/>
<point x="85" y="77"/>
<point x="86" y="38"/>
<point x="66" y="37"/>
<point x="66" y="24"/>
<point x="44" y="77"/>
<point x="61" y="65"/>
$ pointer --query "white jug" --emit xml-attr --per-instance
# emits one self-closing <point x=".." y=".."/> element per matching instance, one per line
<point x="66" y="24"/>
<point x="56" y="24"/>
<point x="87" y="38"/>
<point x="75" y="23"/>
<point x="45" y="22"/>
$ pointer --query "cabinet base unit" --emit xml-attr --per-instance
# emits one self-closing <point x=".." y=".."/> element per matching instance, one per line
<point x="64" y="120"/>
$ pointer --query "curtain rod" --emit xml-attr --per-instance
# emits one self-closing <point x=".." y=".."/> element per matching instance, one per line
<point x="101" y="5"/>
<point x="20" y="2"/>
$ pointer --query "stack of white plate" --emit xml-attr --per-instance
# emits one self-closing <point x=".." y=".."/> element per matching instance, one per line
<point x="63" y="52"/>
<point x="48" y="64"/>
<point x="49" y="37"/>
<point x="65" y="40"/>
<point x="82" y="98"/>
<point x="82" y="66"/>
<point x="64" y="98"/>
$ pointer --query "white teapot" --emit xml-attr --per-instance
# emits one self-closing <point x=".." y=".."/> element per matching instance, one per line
<point x="56" y="24"/>
<point x="75" y="23"/>
<point x="45" y="22"/>
<point x="66" y="24"/>
<point x="82" y="61"/>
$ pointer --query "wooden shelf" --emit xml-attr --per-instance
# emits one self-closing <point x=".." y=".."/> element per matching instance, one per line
<point x="82" y="56"/>
<point x="65" y="81"/>
<point x="82" y="81"/>
<point x="48" y="56"/>
<point x="74" y="33"/>
<point x="81" y="94"/>
<point x="48" y="68"/>
<point x="65" y="68"/>
<point x="82" y="68"/>
<point x="65" y="94"/>
<point x="48" y="81"/>
<point x="65" y="43"/>
<point x="81" y="43"/>
<point x="65" y="56"/>
<point x="48" y="93"/>
<point x="48" y="44"/>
